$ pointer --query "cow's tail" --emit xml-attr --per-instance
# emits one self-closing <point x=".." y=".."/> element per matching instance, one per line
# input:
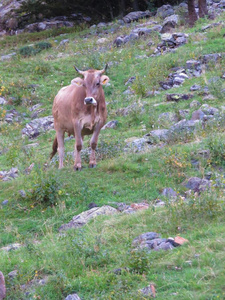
<point x="54" y="148"/>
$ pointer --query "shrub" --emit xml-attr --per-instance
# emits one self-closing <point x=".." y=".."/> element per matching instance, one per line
<point x="216" y="145"/>
<point x="27" y="51"/>
<point x="45" y="190"/>
<point x="43" y="45"/>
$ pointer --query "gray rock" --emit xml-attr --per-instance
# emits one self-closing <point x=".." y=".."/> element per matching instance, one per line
<point x="184" y="113"/>
<point x="118" y="41"/>
<point x="158" y="134"/>
<point x="170" y="23"/>
<point x="209" y="110"/>
<point x="197" y="184"/>
<point x="193" y="65"/>
<point x="137" y="145"/>
<point x="213" y="57"/>
<point x="11" y="247"/>
<point x="13" y="116"/>
<point x="197" y="115"/>
<point x="13" y="274"/>
<point x="168" y="117"/>
<point x="195" y="103"/>
<point x="81" y="219"/>
<point x="22" y="193"/>
<point x="169" y="193"/>
<point x="136" y="15"/>
<point x="165" y="11"/>
<point x="2" y="101"/>
<point x="72" y="297"/>
<point x="111" y="124"/>
<point x="130" y="80"/>
<point x="9" y="175"/>
<point x="184" y="126"/>
<point x="8" y="56"/>
<point x="195" y="87"/>
<point x="148" y="236"/>
<point x="38" y="126"/>
<point x="164" y="246"/>
<point x="64" y="42"/>
<point x="148" y="291"/>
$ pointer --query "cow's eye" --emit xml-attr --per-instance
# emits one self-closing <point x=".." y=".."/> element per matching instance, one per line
<point x="98" y="83"/>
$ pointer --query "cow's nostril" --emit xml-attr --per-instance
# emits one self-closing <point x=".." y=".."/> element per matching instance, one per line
<point x="89" y="100"/>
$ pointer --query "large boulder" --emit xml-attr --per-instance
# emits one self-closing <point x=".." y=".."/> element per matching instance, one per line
<point x="136" y="15"/>
<point x="165" y="11"/>
<point x="170" y="23"/>
<point x="81" y="219"/>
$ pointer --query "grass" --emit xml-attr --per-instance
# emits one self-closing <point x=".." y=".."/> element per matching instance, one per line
<point x="82" y="260"/>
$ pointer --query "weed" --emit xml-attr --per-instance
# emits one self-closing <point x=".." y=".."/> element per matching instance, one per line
<point x="216" y="145"/>
<point x="45" y="189"/>
<point x="138" y="261"/>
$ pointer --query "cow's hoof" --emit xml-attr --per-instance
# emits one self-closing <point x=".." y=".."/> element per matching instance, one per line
<point x="77" y="168"/>
<point x="92" y="165"/>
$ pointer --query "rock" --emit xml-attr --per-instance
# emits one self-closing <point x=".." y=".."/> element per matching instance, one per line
<point x="8" y="175"/>
<point x="8" y="56"/>
<point x="64" y="42"/>
<point x="209" y="110"/>
<point x="195" y="103"/>
<point x="164" y="246"/>
<point x="158" y="134"/>
<point x="81" y="219"/>
<point x="213" y="57"/>
<point x="2" y="286"/>
<point x="11" y="247"/>
<point x="130" y="80"/>
<point x="12" y="116"/>
<point x="148" y="236"/>
<point x="197" y="184"/>
<point x="195" y="87"/>
<point x="178" y="97"/>
<point x="136" y="15"/>
<point x="184" y="113"/>
<point x="2" y="101"/>
<point x="170" y="23"/>
<point x="194" y="66"/>
<point x="197" y="115"/>
<point x="165" y="11"/>
<point x="13" y="274"/>
<point x="148" y="291"/>
<point x="169" y="193"/>
<point x="168" y="117"/>
<point x="101" y="41"/>
<point x="37" y="126"/>
<point x="118" y="41"/>
<point x="183" y="126"/>
<point x="137" y="145"/>
<point x="111" y="124"/>
<point x="22" y="193"/>
<point x="72" y="297"/>
<point x="5" y="202"/>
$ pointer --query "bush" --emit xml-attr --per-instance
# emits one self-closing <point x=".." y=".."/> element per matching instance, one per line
<point x="46" y="189"/>
<point x="216" y="145"/>
<point x="43" y="45"/>
<point x="27" y="51"/>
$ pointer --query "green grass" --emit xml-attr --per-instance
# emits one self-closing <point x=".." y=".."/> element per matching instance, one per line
<point x="83" y="260"/>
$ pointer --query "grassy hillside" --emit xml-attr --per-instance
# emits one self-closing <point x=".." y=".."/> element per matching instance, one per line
<point x="84" y="260"/>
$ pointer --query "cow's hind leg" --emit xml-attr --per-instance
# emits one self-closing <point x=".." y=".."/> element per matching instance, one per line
<point x="60" y="140"/>
<point x="78" y="147"/>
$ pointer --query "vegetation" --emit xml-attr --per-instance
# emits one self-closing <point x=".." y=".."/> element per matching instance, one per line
<point x="84" y="260"/>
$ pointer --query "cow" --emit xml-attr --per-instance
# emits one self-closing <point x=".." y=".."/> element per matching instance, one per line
<point x="79" y="109"/>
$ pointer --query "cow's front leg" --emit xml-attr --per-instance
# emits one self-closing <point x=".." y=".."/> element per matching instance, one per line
<point x="78" y="147"/>
<point x="93" y="144"/>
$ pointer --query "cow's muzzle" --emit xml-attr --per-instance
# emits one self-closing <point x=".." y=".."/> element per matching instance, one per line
<point x="90" y="101"/>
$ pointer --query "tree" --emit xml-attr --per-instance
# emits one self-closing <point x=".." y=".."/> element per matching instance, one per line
<point x="203" y="11"/>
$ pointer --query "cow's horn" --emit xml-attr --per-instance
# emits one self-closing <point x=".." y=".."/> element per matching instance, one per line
<point x="103" y="70"/>
<point x="78" y="71"/>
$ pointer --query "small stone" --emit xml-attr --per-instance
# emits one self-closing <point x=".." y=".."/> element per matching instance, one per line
<point x="164" y="246"/>
<point x="110" y="124"/>
<point x="22" y="193"/>
<point x="13" y="274"/>
<point x="195" y="103"/>
<point x="14" y="246"/>
<point x="139" y="206"/>
<point x="101" y="41"/>
<point x="72" y="297"/>
<point x="148" y="291"/>
<point x="195" y="87"/>
<point x="2" y="101"/>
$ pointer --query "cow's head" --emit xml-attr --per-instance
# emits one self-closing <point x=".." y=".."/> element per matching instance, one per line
<point x="92" y="82"/>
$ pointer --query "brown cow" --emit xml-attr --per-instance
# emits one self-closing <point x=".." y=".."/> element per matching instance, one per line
<point x="80" y="109"/>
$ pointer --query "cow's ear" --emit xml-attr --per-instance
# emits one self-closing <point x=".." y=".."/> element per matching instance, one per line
<point x="104" y="79"/>
<point x="77" y="81"/>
